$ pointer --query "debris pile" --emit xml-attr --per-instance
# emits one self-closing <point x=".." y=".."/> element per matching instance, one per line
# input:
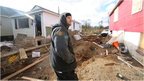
<point x="85" y="48"/>
<point x="101" y="62"/>
<point x="96" y="59"/>
<point x="22" y="41"/>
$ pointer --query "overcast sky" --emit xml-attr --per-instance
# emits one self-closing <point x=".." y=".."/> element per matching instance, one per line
<point x="92" y="11"/>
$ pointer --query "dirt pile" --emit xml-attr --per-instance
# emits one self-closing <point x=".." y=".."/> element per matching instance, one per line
<point x="84" y="51"/>
<point x="97" y="38"/>
<point x="106" y="68"/>
<point x="84" y="48"/>
<point x="92" y="38"/>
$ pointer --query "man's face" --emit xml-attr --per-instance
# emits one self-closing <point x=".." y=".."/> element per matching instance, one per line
<point x="69" y="20"/>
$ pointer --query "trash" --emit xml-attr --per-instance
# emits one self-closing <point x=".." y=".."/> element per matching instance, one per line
<point x="6" y="43"/>
<point x="116" y="45"/>
<point x="6" y="46"/>
<point x="12" y="59"/>
<point x="5" y="49"/>
<point x="77" y="37"/>
<point x="123" y="48"/>
<point x="105" y="33"/>
<point x="122" y="77"/>
<point x="35" y="54"/>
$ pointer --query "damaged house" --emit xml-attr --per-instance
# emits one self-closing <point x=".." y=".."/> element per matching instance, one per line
<point x="6" y="24"/>
<point x="126" y="22"/>
<point x="37" y="22"/>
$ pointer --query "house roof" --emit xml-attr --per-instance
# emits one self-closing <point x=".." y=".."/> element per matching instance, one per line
<point x="5" y="11"/>
<point x="119" y="2"/>
<point x="9" y="12"/>
<point x="37" y="8"/>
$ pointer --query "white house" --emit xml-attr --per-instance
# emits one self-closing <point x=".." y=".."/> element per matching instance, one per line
<point x="38" y="22"/>
<point x="6" y="31"/>
<point x="76" y="26"/>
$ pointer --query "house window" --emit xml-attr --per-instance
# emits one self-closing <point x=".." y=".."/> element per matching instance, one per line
<point x="116" y="15"/>
<point x="136" y="6"/>
<point x="23" y="23"/>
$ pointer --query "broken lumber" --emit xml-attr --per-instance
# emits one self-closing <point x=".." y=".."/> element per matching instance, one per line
<point x="28" y="49"/>
<point x="22" y="53"/>
<point x="25" y="68"/>
<point x="129" y="64"/>
<point x="106" y="52"/>
<point x="98" y="45"/>
<point x="31" y="79"/>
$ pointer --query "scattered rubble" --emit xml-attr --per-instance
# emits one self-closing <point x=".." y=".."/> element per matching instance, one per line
<point x="96" y="60"/>
<point x="22" y="41"/>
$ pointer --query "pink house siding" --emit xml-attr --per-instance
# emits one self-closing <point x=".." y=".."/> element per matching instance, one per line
<point x="126" y="20"/>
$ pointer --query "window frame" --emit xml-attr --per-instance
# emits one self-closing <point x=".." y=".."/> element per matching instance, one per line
<point x="17" y="26"/>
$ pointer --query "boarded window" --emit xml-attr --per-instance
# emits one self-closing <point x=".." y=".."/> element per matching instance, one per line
<point x="136" y="6"/>
<point x="23" y="23"/>
<point x="116" y="15"/>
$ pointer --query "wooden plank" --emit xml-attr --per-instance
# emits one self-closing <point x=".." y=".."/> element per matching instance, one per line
<point x="129" y="65"/>
<point x="98" y="45"/>
<point x="28" y="49"/>
<point x="31" y="79"/>
<point x="140" y="51"/>
<point x="141" y="44"/>
<point x="22" y="53"/>
<point x="25" y="68"/>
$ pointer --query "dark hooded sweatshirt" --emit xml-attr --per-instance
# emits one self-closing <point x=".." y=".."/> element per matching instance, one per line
<point x="62" y="55"/>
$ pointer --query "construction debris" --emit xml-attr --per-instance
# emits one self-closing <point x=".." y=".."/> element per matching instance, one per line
<point x="31" y="79"/>
<point x="35" y="54"/>
<point x="122" y="77"/>
<point x="96" y="60"/>
<point x="22" y="53"/>
<point x="22" y="41"/>
<point x="25" y="68"/>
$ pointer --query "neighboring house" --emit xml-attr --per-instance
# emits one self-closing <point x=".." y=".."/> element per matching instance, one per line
<point x="6" y="33"/>
<point x="37" y="22"/>
<point x="128" y="18"/>
<point x="23" y="24"/>
<point x="76" y="26"/>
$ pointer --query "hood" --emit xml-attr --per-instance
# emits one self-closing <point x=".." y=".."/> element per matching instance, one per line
<point x="56" y="25"/>
<point x="62" y="21"/>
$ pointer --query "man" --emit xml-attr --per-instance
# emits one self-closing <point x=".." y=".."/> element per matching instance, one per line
<point x="62" y="55"/>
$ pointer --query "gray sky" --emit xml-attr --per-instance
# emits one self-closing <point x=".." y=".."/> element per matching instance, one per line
<point x="92" y="11"/>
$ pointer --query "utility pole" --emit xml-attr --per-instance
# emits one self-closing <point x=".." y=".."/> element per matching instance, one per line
<point x="58" y="10"/>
